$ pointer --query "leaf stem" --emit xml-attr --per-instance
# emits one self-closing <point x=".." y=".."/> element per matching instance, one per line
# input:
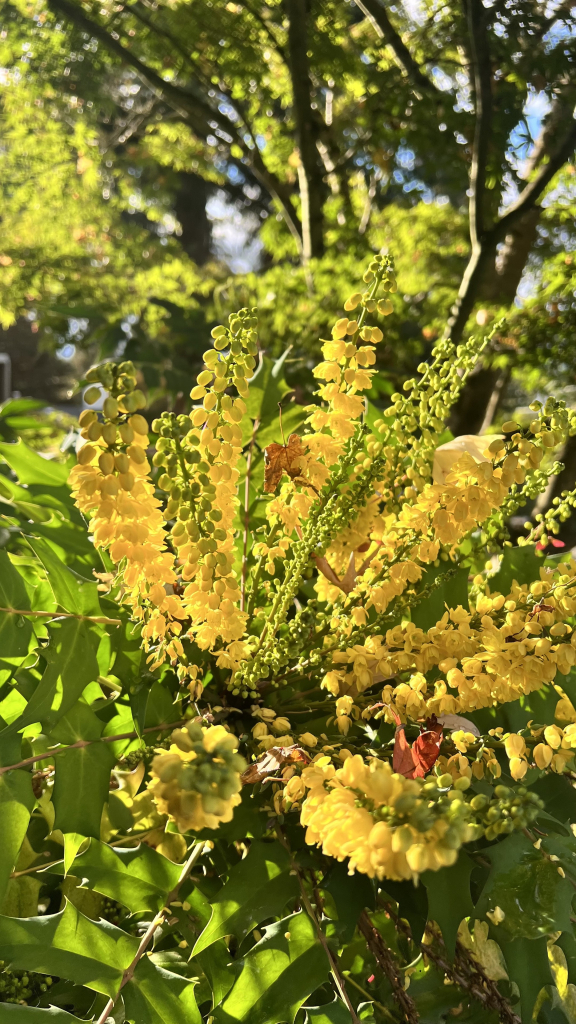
<point x="149" y="934"/>
<point x="80" y="744"/>
<point x="63" y="615"/>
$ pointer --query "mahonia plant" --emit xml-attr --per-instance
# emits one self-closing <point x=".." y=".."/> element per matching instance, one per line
<point x="335" y="694"/>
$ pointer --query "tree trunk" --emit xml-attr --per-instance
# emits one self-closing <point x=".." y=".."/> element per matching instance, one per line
<point x="310" y="174"/>
<point x="190" y="209"/>
<point x="565" y="481"/>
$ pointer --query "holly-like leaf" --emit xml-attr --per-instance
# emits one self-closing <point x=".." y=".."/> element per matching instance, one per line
<point x="157" y="996"/>
<point x="528" y="965"/>
<point x="32" y="469"/>
<point x="16" y="631"/>
<point x="527" y="886"/>
<point x="13" y="1013"/>
<point x="520" y="564"/>
<point x="138" y="878"/>
<point x="72" y="592"/>
<point x="352" y="894"/>
<point x="449" y="592"/>
<point x="449" y="899"/>
<point x="71" y="666"/>
<point x="82" y="776"/>
<point x="331" y="1013"/>
<point x="277" y="976"/>
<point x="69" y="946"/>
<point x="16" y="803"/>
<point x="258" y="887"/>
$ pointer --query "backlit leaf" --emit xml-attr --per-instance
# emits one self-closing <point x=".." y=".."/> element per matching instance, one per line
<point x="139" y="878"/>
<point x="278" y="975"/>
<point x="157" y="996"/>
<point x="258" y="887"/>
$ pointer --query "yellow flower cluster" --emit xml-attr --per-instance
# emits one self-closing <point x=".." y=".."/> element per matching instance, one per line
<point x="197" y="781"/>
<point x="388" y="826"/>
<point x="555" y="750"/>
<point x="506" y="646"/>
<point x="111" y="484"/>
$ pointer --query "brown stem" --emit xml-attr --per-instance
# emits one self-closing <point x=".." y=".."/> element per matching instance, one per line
<point x="149" y="934"/>
<point x="387" y="965"/>
<point x="80" y="744"/>
<point x="63" y="615"/>
<point x="465" y="972"/>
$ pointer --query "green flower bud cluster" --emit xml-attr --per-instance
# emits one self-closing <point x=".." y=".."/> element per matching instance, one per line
<point x="197" y="781"/>
<point x="509" y="810"/>
<point x="119" y="380"/>
<point x="145" y="754"/>
<point x="22" y="986"/>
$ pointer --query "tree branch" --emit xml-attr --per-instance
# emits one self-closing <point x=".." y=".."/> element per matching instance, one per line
<point x="481" y="74"/>
<point x="149" y="934"/>
<point x="191" y="109"/>
<point x="310" y="174"/>
<point x="377" y="15"/>
<point x="485" y="252"/>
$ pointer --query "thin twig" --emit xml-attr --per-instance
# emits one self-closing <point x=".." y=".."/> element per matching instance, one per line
<point x="62" y="615"/>
<point x="86" y="743"/>
<point x="149" y="934"/>
<point x="334" y="970"/>
<point x="387" y="965"/>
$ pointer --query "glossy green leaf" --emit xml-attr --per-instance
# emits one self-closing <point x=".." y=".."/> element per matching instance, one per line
<point x="527" y="886"/>
<point x="157" y="996"/>
<point x="528" y="965"/>
<point x="71" y="666"/>
<point x="352" y="894"/>
<point x="258" y="887"/>
<point x="449" y="899"/>
<point x="16" y="631"/>
<point x="278" y="975"/>
<point x="31" y="468"/>
<point x="12" y="1013"/>
<point x="81" y="783"/>
<point x="73" y="593"/>
<point x="450" y="591"/>
<point x="16" y="803"/>
<point x="138" y="878"/>
<point x="68" y="945"/>
<point x="82" y="776"/>
<point x="520" y="564"/>
<point x="331" y="1013"/>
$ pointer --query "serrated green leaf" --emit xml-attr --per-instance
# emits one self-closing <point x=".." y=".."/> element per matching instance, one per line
<point x="277" y="976"/>
<point x="352" y="894"/>
<point x="520" y="564"/>
<point x="81" y="783"/>
<point x="16" y="803"/>
<point x="528" y="965"/>
<point x="16" y="631"/>
<point x="138" y="878"/>
<point x="12" y="1013"/>
<point x="157" y="996"/>
<point x="68" y="945"/>
<point x="258" y="887"/>
<point x="451" y="592"/>
<point x="31" y="468"/>
<point x="71" y="666"/>
<point x="73" y="593"/>
<point x="449" y="899"/>
<point x="527" y="886"/>
<point x="331" y="1013"/>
